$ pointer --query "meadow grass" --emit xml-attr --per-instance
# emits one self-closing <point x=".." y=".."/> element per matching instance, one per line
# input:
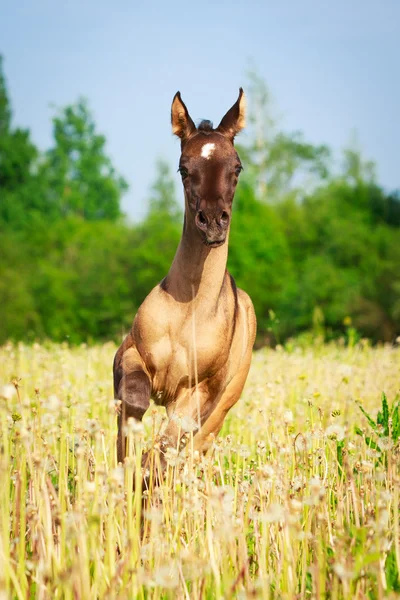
<point x="290" y="503"/>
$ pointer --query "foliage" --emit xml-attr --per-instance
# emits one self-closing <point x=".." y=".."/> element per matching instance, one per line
<point x="259" y="255"/>
<point x="82" y="180"/>
<point x="312" y="245"/>
<point x="386" y="428"/>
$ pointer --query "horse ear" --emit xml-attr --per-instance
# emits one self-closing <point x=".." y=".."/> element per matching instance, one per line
<point x="182" y="124"/>
<point x="235" y="119"/>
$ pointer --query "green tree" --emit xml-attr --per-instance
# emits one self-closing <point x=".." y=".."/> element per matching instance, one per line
<point x="5" y="110"/>
<point x="162" y="201"/>
<point x="157" y="236"/>
<point x="346" y="257"/>
<point x="19" y="317"/>
<point x="259" y="256"/>
<point x="276" y="162"/>
<point x="81" y="178"/>
<point x="20" y="184"/>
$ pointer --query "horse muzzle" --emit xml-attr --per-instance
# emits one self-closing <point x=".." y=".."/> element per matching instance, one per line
<point x="213" y="230"/>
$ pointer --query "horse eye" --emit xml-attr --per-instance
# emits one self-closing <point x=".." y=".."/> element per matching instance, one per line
<point x="238" y="169"/>
<point x="184" y="172"/>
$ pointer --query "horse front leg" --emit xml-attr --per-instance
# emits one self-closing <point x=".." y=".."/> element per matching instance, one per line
<point x="185" y="416"/>
<point x="212" y="425"/>
<point x="132" y="387"/>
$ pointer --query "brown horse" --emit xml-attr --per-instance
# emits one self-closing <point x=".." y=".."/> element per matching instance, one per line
<point x="191" y="341"/>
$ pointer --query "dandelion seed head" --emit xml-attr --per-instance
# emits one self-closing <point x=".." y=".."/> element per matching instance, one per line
<point x="134" y="427"/>
<point x="185" y="422"/>
<point x="117" y="476"/>
<point x="288" y="417"/>
<point x="8" y="391"/>
<point x="90" y="487"/>
<point x="166" y="576"/>
<point x="342" y="572"/>
<point x="275" y="513"/>
<point x="300" y="443"/>
<point x="335" y="431"/>
<point x="92" y="426"/>
<point x="52" y="403"/>
<point x="385" y="443"/>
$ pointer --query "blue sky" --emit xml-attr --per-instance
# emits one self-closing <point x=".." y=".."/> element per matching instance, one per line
<point x="333" y="68"/>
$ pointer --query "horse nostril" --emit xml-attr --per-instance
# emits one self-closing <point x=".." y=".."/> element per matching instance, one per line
<point x="224" y="217"/>
<point x="201" y="218"/>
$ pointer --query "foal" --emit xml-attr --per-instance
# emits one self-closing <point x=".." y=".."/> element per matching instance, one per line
<point x="191" y="341"/>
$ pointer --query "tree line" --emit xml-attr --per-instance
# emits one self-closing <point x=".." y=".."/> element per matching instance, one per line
<point x="315" y="245"/>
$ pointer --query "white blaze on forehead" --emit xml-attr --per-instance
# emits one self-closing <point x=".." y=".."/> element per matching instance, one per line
<point x="207" y="150"/>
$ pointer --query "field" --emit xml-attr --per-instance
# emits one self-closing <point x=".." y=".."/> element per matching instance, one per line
<point x="299" y="497"/>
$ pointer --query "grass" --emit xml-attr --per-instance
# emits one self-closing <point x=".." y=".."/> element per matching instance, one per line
<point x="299" y="497"/>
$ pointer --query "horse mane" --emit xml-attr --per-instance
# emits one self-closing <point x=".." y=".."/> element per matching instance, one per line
<point x="205" y="125"/>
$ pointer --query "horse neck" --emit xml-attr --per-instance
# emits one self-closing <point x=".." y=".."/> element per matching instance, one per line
<point x="197" y="272"/>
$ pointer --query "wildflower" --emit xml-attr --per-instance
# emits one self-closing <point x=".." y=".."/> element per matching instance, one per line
<point x="49" y="420"/>
<point x="366" y="465"/>
<point x="345" y="371"/>
<point x="145" y="551"/>
<point x="92" y="426"/>
<point x="304" y="535"/>
<point x="300" y="443"/>
<point x="379" y="475"/>
<point x="267" y="470"/>
<point x="154" y="514"/>
<point x="23" y="433"/>
<point x="90" y="487"/>
<point x="296" y="505"/>
<point x="386" y="496"/>
<point x="52" y="404"/>
<point x="383" y="519"/>
<point x="288" y="417"/>
<point x="117" y="476"/>
<point x="7" y="392"/>
<point x="134" y="426"/>
<point x="385" y="544"/>
<point x="275" y="513"/>
<point x="114" y="406"/>
<point x="335" y="431"/>
<point x="342" y="572"/>
<point x="297" y="483"/>
<point x="260" y="447"/>
<point x="317" y="434"/>
<point x="385" y="443"/>
<point x="372" y="453"/>
<point x="317" y="491"/>
<point x="244" y="451"/>
<point x="167" y="576"/>
<point x="315" y="483"/>
<point x="186" y="423"/>
<point x="171" y="456"/>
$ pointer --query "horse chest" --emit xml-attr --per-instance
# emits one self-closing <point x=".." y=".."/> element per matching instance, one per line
<point x="186" y="352"/>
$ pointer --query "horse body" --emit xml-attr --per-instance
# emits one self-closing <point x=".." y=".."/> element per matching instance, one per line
<point x="191" y="341"/>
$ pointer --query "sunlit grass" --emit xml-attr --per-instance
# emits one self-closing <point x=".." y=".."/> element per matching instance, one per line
<point x="290" y="503"/>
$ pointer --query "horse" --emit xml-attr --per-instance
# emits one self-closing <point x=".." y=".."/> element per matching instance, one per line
<point x="190" y="345"/>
